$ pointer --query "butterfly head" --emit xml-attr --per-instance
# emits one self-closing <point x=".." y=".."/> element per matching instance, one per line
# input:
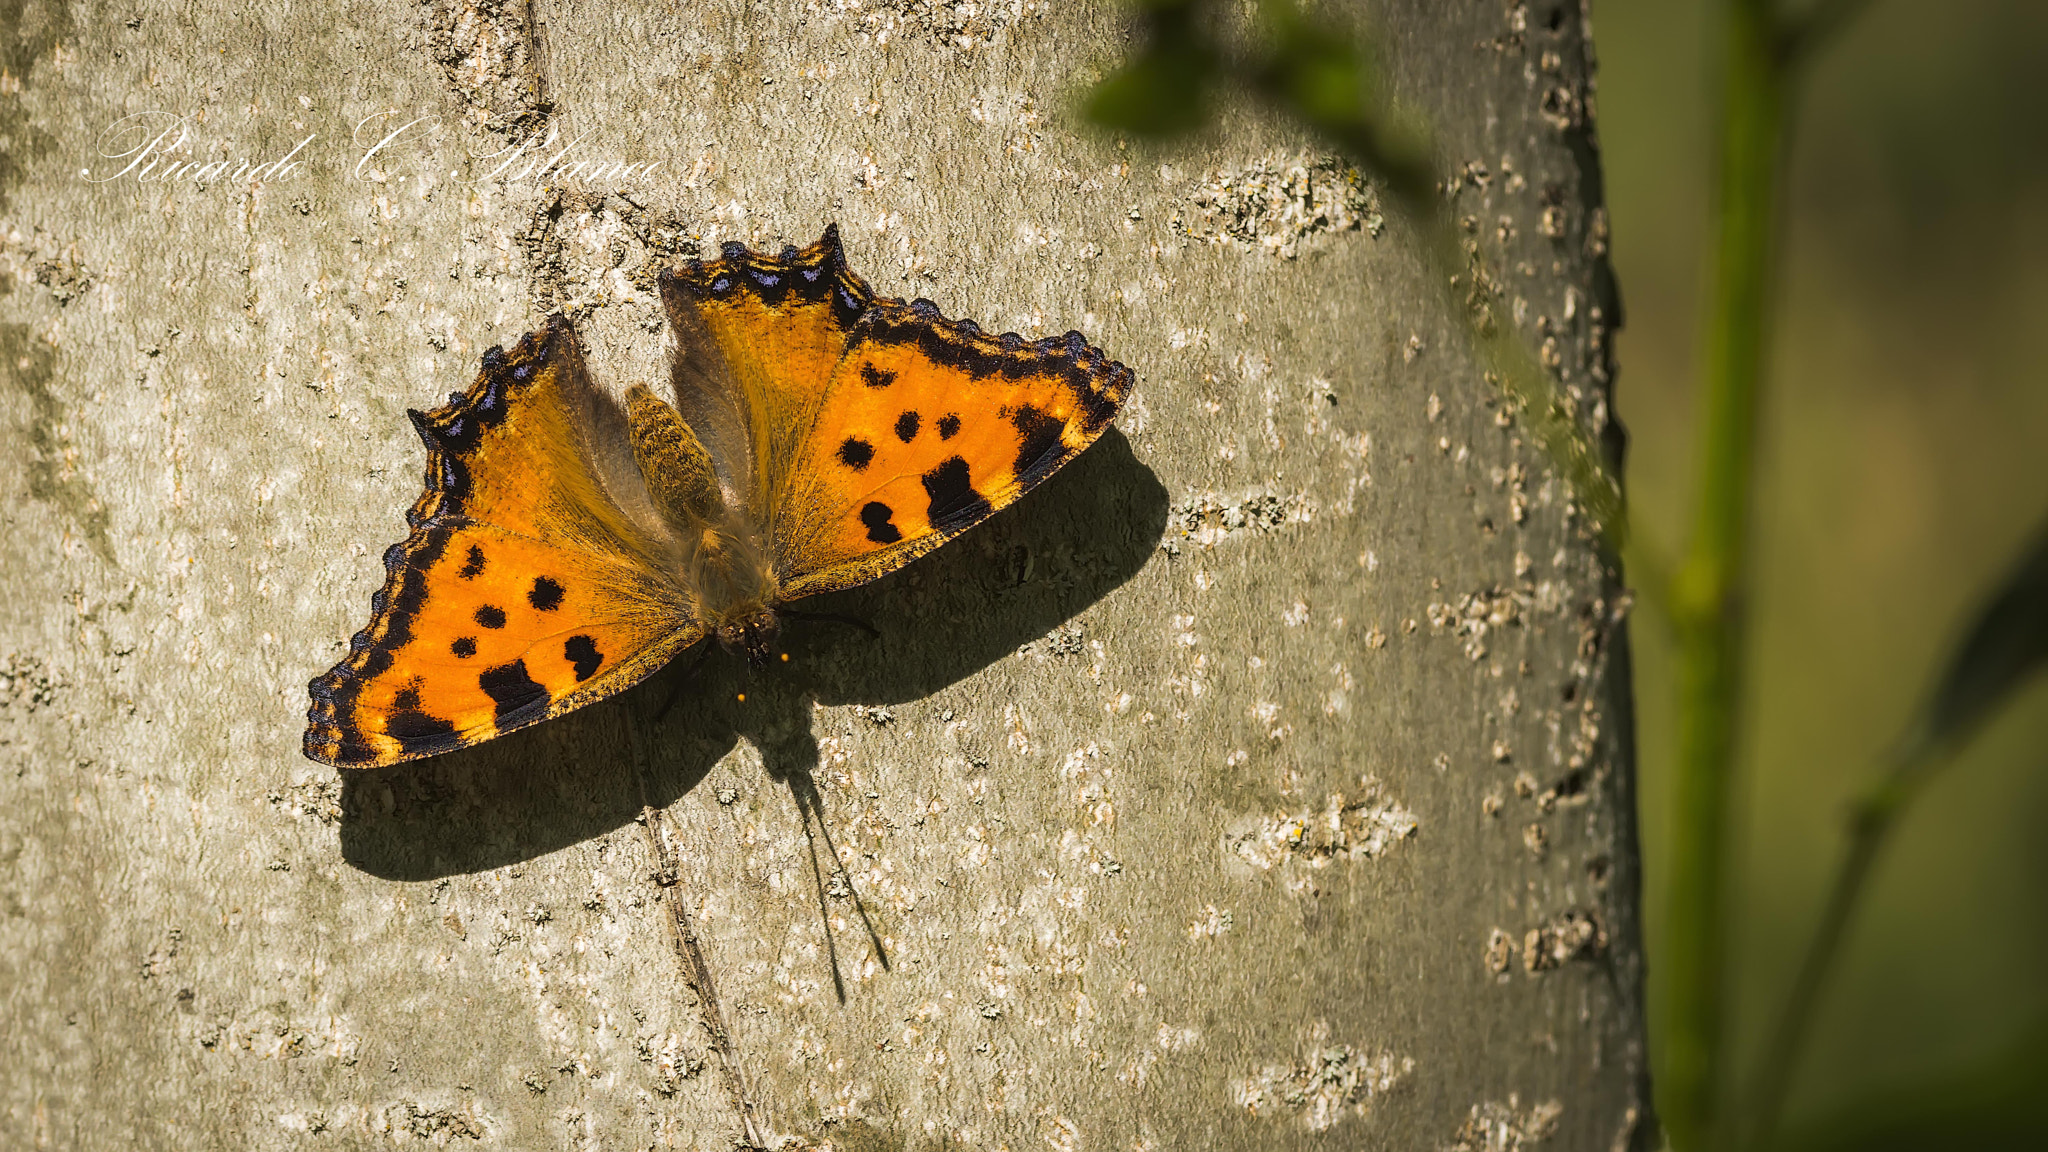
<point x="750" y="632"/>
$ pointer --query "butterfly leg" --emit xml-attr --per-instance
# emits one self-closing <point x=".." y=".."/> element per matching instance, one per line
<point x="830" y="618"/>
<point x="675" y="692"/>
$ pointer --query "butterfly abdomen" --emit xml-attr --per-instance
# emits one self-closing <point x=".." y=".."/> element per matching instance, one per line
<point x="678" y="470"/>
<point x="724" y="564"/>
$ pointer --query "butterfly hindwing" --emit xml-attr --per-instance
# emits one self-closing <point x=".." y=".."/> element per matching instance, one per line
<point x="777" y="326"/>
<point x="927" y="427"/>
<point x="524" y="589"/>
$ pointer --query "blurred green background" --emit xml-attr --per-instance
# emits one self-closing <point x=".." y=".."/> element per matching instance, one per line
<point x="1904" y="463"/>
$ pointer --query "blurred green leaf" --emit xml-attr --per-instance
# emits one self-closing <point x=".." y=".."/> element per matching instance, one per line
<point x="1993" y="1104"/>
<point x="1161" y="93"/>
<point x="1164" y="89"/>
<point x="2007" y="644"/>
<point x="1318" y="72"/>
<point x="1328" y="78"/>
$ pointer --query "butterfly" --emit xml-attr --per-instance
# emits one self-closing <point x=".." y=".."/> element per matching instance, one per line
<point x="814" y="437"/>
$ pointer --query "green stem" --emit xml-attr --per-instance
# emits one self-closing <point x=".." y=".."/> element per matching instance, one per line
<point x="1871" y="824"/>
<point x="1708" y="594"/>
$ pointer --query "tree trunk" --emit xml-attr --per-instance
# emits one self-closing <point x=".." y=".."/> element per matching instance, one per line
<point x="1264" y="780"/>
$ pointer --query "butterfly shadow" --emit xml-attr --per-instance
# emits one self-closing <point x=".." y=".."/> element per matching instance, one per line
<point x="1006" y="582"/>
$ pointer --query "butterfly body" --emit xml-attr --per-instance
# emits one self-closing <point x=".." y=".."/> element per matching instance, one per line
<point x="724" y="554"/>
<point x="567" y="545"/>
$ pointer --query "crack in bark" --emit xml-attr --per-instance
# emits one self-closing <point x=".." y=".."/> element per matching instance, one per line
<point x="689" y="951"/>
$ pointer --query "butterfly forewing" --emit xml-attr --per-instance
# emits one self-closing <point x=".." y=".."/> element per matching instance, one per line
<point x="778" y="326"/>
<point x="878" y="429"/>
<point x="927" y="427"/>
<point x="524" y="590"/>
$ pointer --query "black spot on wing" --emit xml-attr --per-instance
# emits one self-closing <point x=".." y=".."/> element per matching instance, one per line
<point x="878" y="517"/>
<point x="1097" y="383"/>
<point x="490" y="616"/>
<point x="906" y="427"/>
<point x="954" y="502"/>
<point x="875" y="377"/>
<point x="410" y="724"/>
<point x="474" y="565"/>
<point x="949" y="424"/>
<point x="417" y="732"/>
<point x="582" y="652"/>
<point x="510" y="688"/>
<point x="1039" y="450"/>
<point x="464" y="647"/>
<point x="856" y="453"/>
<point x="545" y="595"/>
<point x="394" y="605"/>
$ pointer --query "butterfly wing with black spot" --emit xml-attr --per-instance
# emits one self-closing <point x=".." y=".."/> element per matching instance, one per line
<point x="533" y="581"/>
<point x="757" y="339"/>
<point x="928" y="426"/>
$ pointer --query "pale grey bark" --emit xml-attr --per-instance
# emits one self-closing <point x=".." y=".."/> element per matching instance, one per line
<point x="1263" y="781"/>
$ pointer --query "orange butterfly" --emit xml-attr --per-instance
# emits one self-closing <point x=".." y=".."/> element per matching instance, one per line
<point x="567" y="546"/>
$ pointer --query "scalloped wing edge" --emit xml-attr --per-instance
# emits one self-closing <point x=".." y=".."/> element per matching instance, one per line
<point x="446" y="431"/>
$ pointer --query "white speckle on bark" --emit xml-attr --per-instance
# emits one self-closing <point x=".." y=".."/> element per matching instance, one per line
<point x="1325" y="1086"/>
